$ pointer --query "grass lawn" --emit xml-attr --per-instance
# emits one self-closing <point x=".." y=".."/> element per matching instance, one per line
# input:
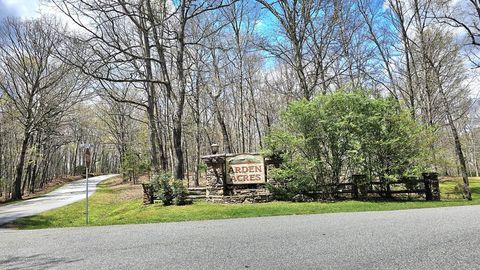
<point x="117" y="203"/>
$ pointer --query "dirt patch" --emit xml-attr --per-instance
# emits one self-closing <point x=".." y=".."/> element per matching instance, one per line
<point x="126" y="190"/>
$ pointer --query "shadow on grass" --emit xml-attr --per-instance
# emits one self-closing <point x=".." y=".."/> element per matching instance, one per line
<point x="34" y="221"/>
<point x="475" y="190"/>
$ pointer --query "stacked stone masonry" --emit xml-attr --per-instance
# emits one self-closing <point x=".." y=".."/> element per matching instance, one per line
<point x="219" y="191"/>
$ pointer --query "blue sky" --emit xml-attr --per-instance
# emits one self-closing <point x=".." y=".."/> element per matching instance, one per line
<point x="20" y="8"/>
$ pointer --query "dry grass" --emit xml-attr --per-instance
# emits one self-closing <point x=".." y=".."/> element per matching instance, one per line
<point x="126" y="190"/>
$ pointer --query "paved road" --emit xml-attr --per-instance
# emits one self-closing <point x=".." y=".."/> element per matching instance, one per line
<point x="441" y="238"/>
<point x="69" y="193"/>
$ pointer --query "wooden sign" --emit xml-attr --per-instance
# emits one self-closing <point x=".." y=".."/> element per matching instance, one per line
<point x="88" y="157"/>
<point x="245" y="169"/>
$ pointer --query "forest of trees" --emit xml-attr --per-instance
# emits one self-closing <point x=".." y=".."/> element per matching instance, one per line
<point x="152" y="84"/>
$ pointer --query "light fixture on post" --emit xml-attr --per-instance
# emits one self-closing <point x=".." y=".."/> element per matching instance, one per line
<point x="214" y="148"/>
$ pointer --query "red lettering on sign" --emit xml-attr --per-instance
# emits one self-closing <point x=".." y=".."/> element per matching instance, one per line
<point x="245" y="169"/>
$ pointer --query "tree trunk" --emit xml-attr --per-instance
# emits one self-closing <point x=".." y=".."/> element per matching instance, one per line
<point x="153" y="137"/>
<point x="255" y="113"/>
<point x="75" y="157"/>
<point x="461" y="158"/>
<point x="28" y="176"/>
<point x="196" y="176"/>
<point x="17" y="190"/>
<point x="223" y="127"/>
<point x="177" y="145"/>
<point x="151" y="103"/>
<point x="458" y="147"/>
<point x="163" y="158"/>
<point x="33" y="177"/>
<point x="180" y="102"/>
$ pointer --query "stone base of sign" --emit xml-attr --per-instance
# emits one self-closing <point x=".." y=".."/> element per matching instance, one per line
<point x="239" y="194"/>
<point x="239" y="199"/>
<point x="219" y="191"/>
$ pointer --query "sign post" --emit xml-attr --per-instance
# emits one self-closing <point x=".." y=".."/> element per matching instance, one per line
<point x="87" y="166"/>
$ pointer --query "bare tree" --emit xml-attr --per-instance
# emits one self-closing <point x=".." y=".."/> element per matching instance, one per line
<point x="466" y="16"/>
<point x="308" y="26"/>
<point x="449" y="77"/>
<point x="156" y="58"/>
<point x="41" y="88"/>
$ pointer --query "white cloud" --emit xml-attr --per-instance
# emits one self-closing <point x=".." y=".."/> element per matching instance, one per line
<point x="27" y="9"/>
<point x="46" y="9"/>
<point x="18" y="8"/>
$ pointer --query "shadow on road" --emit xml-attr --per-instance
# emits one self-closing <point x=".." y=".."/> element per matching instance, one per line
<point x="37" y="261"/>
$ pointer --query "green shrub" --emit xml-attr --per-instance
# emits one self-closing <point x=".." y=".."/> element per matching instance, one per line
<point x="180" y="193"/>
<point x="332" y="136"/>
<point x="289" y="180"/>
<point x="170" y="191"/>
<point x="162" y="188"/>
<point x="133" y="164"/>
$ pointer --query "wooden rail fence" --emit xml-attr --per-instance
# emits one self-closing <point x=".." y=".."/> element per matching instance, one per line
<point x="360" y="188"/>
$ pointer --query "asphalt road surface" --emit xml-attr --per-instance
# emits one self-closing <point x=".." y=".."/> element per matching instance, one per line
<point x="69" y="193"/>
<point x="441" y="238"/>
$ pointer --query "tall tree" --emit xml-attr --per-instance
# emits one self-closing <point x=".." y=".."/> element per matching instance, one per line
<point x="448" y="75"/>
<point x="40" y="87"/>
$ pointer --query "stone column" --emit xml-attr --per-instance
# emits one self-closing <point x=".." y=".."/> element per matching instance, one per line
<point x="216" y="176"/>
